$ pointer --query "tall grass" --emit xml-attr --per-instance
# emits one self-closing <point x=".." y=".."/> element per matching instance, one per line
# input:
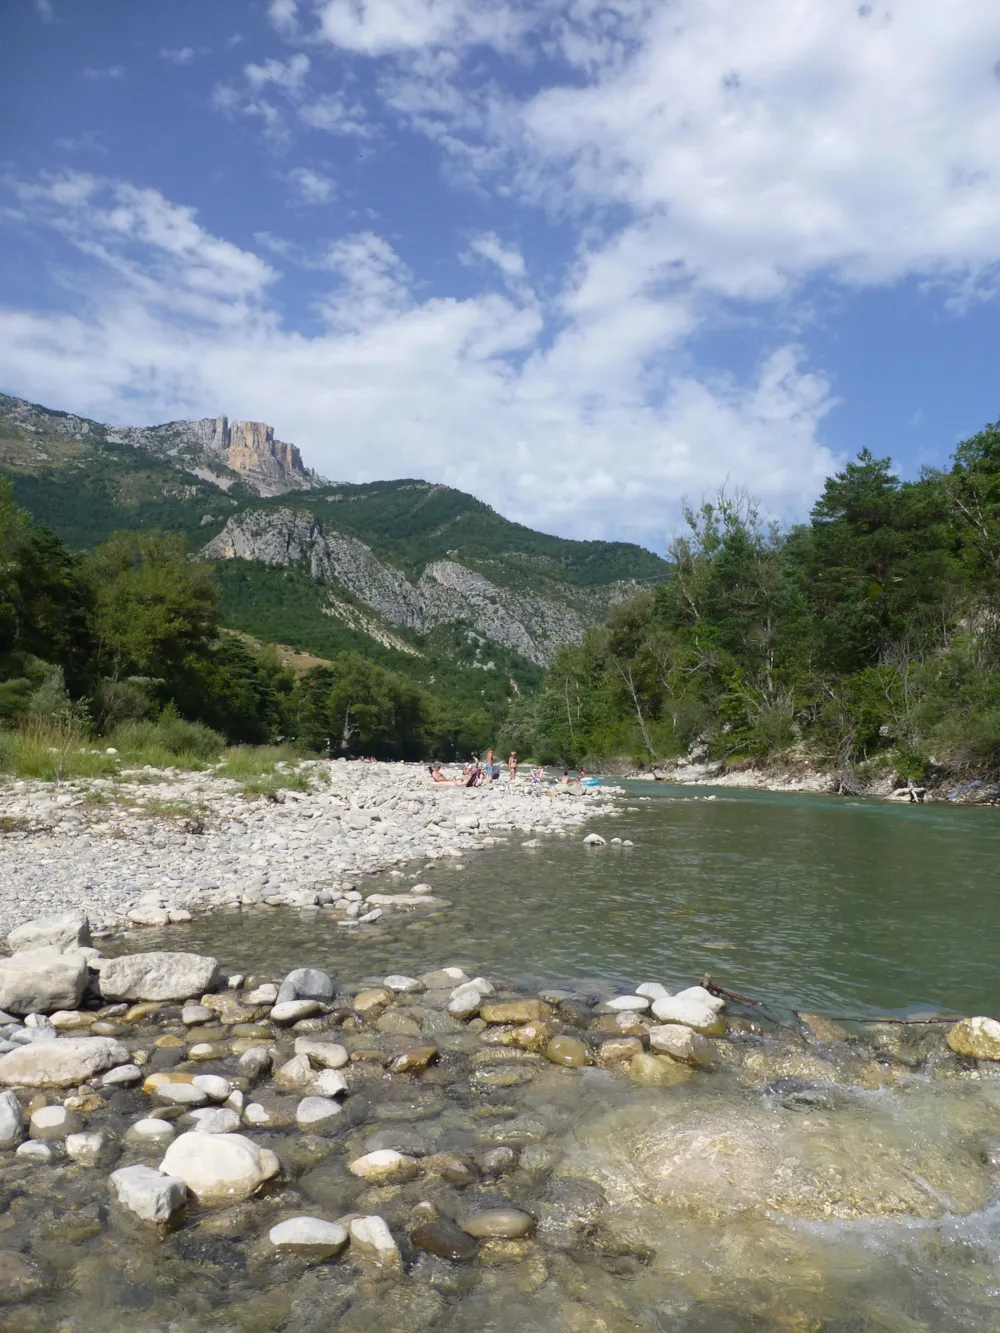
<point x="53" y="751"/>
<point x="167" y="743"/>
<point x="242" y="762"/>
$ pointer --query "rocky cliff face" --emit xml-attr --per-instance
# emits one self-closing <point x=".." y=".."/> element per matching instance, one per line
<point x="529" y="623"/>
<point x="216" y="449"/>
<point x="248" y="448"/>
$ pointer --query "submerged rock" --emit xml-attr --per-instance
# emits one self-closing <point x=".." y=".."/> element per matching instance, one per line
<point x="152" y="1195"/>
<point x="11" y="1121"/>
<point x="446" y="1240"/>
<point x="568" y="1051"/>
<point x="309" y="1237"/>
<point x="681" y="1043"/>
<point x="498" y="1224"/>
<point x="371" y="1237"/>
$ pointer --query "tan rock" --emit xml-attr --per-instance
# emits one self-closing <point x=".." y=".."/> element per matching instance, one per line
<point x="824" y="1029"/>
<point x="375" y="998"/>
<point x="680" y="1043"/>
<point x="414" y="1061"/>
<point x="567" y="1051"/>
<point x="977" y="1038"/>
<point x="657" y="1070"/>
<point x="618" y="1049"/>
<point x="514" y="1011"/>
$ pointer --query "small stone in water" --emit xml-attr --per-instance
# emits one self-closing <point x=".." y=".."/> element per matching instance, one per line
<point x="151" y="1195"/>
<point x="122" y="1076"/>
<point x="445" y="1240"/>
<point x="313" y="1111"/>
<point x="217" y="1120"/>
<point x="324" y="1054"/>
<point x="255" y="1063"/>
<point x="309" y="1237"/>
<point x="86" y="1148"/>
<point x="405" y="985"/>
<point x="637" y="1003"/>
<point x="681" y="1043"/>
<point x="384" y="1167"/>
<point x="515" y="1011"/>
<point x="180" y="1094"/>
<point x="329" y="1083"/>
<point x="54" y="1122"/>
<point x="294" y="1073"/>
<point x="193" y="1014"/>
<point x="657" y="1070"/>
<point x="290" y="1011"/>
<point x="445" y="978"/>
<point x="498" y="1224"/>
<point x="568" y="1051"/>
<point x="374" y="998"/>
<point x="35" y="1151"/>
<point x="414" y="1061"/>
<point x="213" y="1085"/>
<point x="371" y="1237"/>
<point x="11" y="1120"/>
<point x="152" y="1128"/>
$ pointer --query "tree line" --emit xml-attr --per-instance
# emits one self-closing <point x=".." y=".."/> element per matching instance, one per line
<point x="133" y="630"/>
<point x="867" y="638"/>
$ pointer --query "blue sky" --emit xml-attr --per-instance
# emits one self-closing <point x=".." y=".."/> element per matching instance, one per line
<point x="582" y="259"/>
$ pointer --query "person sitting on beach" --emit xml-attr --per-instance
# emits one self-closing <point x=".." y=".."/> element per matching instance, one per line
<point x="512" y="765"/>
<point x="566" y="779"/>
<point x="438" y="776"/>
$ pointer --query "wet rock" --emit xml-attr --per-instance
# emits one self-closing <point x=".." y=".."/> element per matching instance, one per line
<point x="594" y="840"/>
<point x="496" y="1162"/>
<point x="404" y="985"/>
<point x="89" y="1149"/>
<point x="316" y="1112"/>
<point x="123" y="1076"/>
<point x="657" y="1070"/>
<point x="371" y="1237"/>
<point x="444" y="978"/>
<point x="453" y="1170"/>
<point x="398" y="1023"/>
<point x="291" y="1011"/>
<point x="976" y="1038"/>
<point x="328" y="1083"/>
<point x="217" y="1120"/>
<point x="213" y="1086"/>
<point x="568" y="1051"/>
<point x="180" y="1094"/>
<point x="219" y="1168"/>
<point x="413" y="1061"/>
<point x="572" y="1205"/>
<point x="20" y="1279"/>
<point x="151" y="1130"/>
<point x="72" y="1020"/>
<point x="294" y="1073"/>
<point x="54" y="1122"/>
<point x="681" y="1043"/>
<point x="305" y="983"/>
<point x="700" y="995"/>
<point x="514" y="1011"/>
<point x="154" y="1196"/>
<point x="445" y="1240"/>
<point x="308" y="1237"/>
<point x="384" y="1167"/>
<point x="498" y="1224"/>
<point x="193" y="1015"/>
<point x="322" y="1054"/>
<point x="35" y="1150"/>
<point x="618" y="1050"/>
<point x="377" y="997"/>
<point x="62" y="1063"/>
<point x="41" y="981"/>
<point x="824" y="1029"/>
<point x="652" y="990"/>
<point x="255" y="1063"/>
<point x="265" y="994"/>
<point x="11" y="1121"/>
<point x="66" y="931"/>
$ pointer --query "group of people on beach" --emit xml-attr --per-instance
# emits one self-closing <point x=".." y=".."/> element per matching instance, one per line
<point x="479" y="772"/>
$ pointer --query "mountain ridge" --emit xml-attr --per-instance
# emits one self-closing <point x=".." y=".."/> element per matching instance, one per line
<point x="427" y="576"/>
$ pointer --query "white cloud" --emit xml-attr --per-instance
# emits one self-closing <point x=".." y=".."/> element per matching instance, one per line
<point x="311" y="187"/>
<point x="106" y="72"/>
<point x="288" y="81"/>
<point x="483" y="392"/>
<point x="375" y="27"/>
<point x="284" y="16"/>
<point x="289" y="73"/>
<point x="178" y="55"/>
<point x="44" y="9"/>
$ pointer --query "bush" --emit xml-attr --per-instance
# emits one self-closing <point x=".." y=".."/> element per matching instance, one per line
<point x="52" y="751"/>
<point x="169" y="742"/>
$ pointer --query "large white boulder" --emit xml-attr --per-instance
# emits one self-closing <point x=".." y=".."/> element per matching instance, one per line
<point x="66" y="931"/>
<point x="62" y="1063"/>
<point x="691" y="1013"/>
<point x="149" y="1194"/>
<point x="219" y="1168"/>
<point x="157" y="976"/>
<point x="40" y="981"/>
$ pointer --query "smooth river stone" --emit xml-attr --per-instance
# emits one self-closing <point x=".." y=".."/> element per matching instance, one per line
<point x="385" y="1166"/>
<point x="314" y="1112"/>
<point x="445" y="1240"/>
<point x="323" y="1054"/>
<point x="498" y="1224"/>
<point x="514" y="1011"/>
<point x="151" y="1195"/>
<point x="657" y="1070"/>
<point x="61" y="1063"/>
<point x="635" y="1003"/>
<point x="371" y="1237"/>
<point x="54" y="1122"/>
<point x="702" y="996"/>
<point x="290" y="1011"/>
<point x="568" y="1051"/>
<point x="219" y="1168"/>
<point x="692" y="1013"/>
<point x="681" y="1043"/>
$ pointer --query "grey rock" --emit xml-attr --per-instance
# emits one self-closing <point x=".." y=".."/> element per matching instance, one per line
<point x="41" y="980"/>
<point x="309" y="1237"/>
<point x="157" y="976"/>
<point x="62" y="1063"/>
<point x="305" y="983"/>
<point x="60" y="932"/>
<point x="54" y="1122"/>
<point x="151" y="1195"/>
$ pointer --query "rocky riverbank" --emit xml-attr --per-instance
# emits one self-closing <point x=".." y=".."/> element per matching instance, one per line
<point x="248" y="1153"/>
<point x="150" y="847"/>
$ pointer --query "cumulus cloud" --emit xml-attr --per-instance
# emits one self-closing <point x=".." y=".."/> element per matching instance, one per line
<point x="311" y="187"/>
<point x="104" y="72"/>
<point x="178" y="55"/>
<point x="480" y="392"/>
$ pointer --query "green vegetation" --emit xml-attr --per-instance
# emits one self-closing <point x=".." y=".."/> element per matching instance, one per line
<point x="867" y="638"/>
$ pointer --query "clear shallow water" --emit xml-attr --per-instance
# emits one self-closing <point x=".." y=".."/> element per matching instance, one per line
<point x="805" y="902"/>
